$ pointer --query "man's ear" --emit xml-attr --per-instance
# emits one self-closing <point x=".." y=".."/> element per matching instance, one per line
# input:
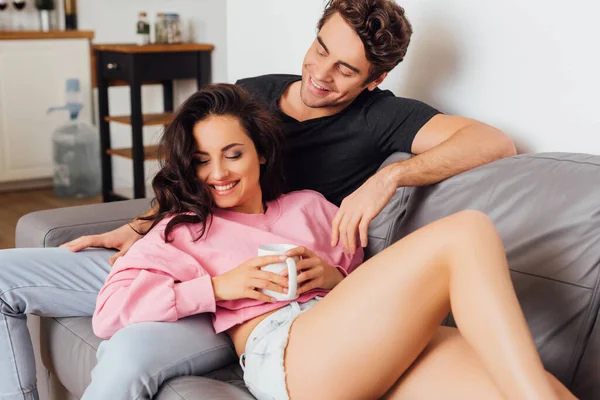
<point x="371" y="86"/>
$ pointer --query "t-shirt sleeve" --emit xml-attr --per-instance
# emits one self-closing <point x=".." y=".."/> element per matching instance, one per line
<point x="395" y="122"/>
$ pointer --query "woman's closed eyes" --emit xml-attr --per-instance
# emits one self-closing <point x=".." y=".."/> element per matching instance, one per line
<point x="233" y="156"/>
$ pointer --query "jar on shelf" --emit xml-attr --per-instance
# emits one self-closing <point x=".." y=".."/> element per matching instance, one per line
<point x="173" y="28"/>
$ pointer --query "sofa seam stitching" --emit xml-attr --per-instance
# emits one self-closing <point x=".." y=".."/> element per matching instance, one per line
<point x="562" y="160"/>
<point x="73" y="333"/>
<point x="581" y="332"/>
<point x="552" y="279"/>
<point x="172" y="389"/>
<point x="395" y="223"/>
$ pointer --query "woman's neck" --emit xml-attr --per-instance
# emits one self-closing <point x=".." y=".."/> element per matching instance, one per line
<point x="252" y="206"/>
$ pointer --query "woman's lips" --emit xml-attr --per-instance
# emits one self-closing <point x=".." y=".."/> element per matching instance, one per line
<point x="224" y="189"/>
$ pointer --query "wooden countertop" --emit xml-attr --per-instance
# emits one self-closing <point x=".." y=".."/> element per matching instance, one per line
<point x="153" y="48"/>
<point x="32" y="35"/>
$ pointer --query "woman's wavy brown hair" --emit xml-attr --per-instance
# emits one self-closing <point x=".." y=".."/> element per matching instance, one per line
<point x="382" y="27"/>
<point x="177" y="189"/>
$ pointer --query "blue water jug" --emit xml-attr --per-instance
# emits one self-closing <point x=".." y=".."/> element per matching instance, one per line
<point x="76" y="151"/>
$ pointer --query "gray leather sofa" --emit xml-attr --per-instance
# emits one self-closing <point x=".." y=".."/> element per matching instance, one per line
<point x="546" y="207"/>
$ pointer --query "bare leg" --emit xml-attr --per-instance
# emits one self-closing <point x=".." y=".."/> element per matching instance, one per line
<point x="449" y="369"/>
<point x="366" y="333"/>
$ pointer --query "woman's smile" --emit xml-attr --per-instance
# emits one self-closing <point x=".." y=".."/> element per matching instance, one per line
<point x="225" y="188"/>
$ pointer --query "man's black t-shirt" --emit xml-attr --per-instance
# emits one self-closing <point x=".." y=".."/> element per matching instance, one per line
<point x="334" y="155"/>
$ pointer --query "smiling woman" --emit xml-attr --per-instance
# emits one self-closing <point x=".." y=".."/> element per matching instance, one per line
<point x="228" y="162"/>
<point x="221" y="150"/>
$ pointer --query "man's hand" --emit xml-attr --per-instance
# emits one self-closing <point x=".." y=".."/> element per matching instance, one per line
<point x="313" y="272"/>
<point x="121" y="239"/>
<point x="359" y="208"/>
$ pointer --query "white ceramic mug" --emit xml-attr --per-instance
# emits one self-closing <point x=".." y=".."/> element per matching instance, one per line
<point x="289" y="263"/>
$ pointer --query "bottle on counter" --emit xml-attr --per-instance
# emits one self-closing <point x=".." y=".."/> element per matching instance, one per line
<point x="160" y="31"/>
<point x="46" y="10"/>
<point x="70" y="14"/>
<point x="143" y="29"/>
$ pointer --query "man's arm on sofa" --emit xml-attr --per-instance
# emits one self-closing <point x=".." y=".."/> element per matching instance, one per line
<point x="51" y="228"/>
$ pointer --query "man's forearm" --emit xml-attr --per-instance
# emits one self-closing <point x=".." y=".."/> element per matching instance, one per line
<point x="468" y="148"/>
<point x="142" y="225"/>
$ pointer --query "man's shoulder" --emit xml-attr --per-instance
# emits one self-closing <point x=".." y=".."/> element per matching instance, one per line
<point x="267" y="86"/>
<point x="378" y="97"/>
<point x="267" y="79"/>
<point x="382" y="103"/>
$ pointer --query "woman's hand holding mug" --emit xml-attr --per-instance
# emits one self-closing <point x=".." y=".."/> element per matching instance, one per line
<point x="246" y="280"/>
<point x="285" y="266"/>
<point x="314" y="272"/>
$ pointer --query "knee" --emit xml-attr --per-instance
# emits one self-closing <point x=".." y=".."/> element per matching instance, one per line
<point x="120" y="373"/>
<point x="463" y="230"/>
<point x="123" y="359"/>
<point x="470" y="224"/>
<point x="473" y="217"/>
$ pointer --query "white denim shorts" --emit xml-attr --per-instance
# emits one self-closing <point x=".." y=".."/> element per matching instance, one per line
<point x="264" y="372"/>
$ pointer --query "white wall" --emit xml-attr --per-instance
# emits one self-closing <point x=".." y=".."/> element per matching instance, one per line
<point x="269" y="36"/>
<point x="113" y="21"/>
<point x="530" y="68"/>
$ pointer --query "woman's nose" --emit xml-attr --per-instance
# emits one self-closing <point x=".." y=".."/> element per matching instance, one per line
<point x="219" y="171"/>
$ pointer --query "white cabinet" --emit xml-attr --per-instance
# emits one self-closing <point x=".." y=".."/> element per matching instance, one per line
<point x="33" y="75"/>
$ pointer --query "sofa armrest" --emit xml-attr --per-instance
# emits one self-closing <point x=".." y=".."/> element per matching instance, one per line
<point x="51" y="228"/>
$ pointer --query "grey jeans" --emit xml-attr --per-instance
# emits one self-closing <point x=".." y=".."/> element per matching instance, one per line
<point x="54" y="282"/>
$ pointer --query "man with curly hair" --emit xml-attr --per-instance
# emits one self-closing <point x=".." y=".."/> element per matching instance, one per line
<point x="340" y="128"/>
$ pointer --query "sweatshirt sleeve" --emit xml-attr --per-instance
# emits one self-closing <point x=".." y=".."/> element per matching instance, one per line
<point x="153" y="281"/>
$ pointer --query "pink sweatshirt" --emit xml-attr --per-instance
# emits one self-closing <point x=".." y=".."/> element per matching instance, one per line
<point x="158" y="281"/>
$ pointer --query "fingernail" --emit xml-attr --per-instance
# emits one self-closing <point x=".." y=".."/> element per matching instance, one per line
<point x="282" y="257"/>
<point x="285" y="290"/>
<point x="273" y="300"/>
<point x="283" y="272"/>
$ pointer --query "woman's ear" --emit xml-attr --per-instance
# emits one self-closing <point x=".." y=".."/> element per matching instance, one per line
<point x="262" y="160"/>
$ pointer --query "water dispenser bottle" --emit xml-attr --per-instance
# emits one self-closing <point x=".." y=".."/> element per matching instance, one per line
<point x="76" y="151"/>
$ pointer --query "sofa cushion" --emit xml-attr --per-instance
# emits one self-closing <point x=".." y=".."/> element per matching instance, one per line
<point x="381" y="229"/>
<point x="546" y="208"/>
<point x="69" y="347"/>
<point x="200" y="388"/>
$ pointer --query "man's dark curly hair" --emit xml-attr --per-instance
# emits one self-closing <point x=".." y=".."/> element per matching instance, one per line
<point x="382" y="27"/>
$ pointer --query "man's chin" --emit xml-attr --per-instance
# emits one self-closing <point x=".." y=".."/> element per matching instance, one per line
<point x="312" y="102"/>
